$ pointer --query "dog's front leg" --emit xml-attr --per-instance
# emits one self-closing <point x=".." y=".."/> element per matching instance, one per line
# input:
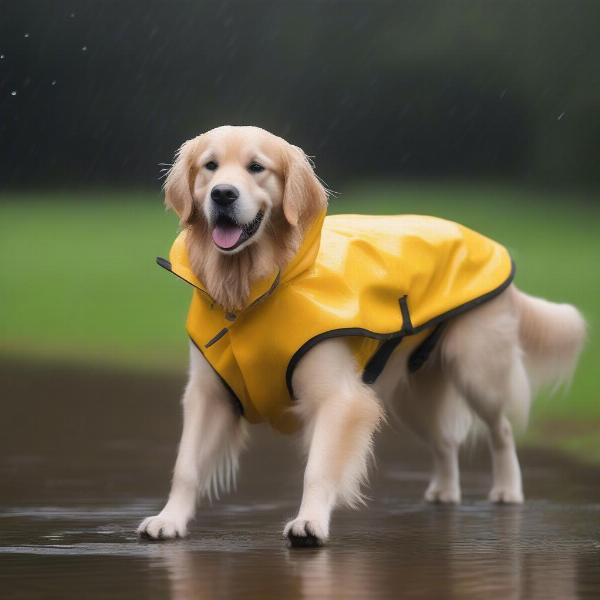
<point x="210" y="443"/>
<point x="340" y="415"/>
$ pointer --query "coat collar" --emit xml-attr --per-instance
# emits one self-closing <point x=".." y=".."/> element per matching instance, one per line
<point x="179" y="264"/>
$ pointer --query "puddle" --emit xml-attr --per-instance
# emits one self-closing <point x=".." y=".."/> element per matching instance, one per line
<point x="79" y="472"/>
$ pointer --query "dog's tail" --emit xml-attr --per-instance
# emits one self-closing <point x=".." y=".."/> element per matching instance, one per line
<point x="552" y="337"/>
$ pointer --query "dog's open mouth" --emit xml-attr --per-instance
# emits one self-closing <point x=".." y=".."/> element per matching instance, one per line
<point x="228" y="234"/>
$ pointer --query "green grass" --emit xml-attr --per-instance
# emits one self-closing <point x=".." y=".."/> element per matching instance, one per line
<point x="79" y="282"/>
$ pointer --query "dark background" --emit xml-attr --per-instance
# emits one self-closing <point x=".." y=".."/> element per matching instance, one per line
<point x="101" y="92"/>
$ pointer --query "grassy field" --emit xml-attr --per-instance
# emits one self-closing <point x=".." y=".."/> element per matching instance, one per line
<point x="79" y="282"/>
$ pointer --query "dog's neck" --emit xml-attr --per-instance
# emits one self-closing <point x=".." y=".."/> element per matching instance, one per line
<point x="229" y="278"/>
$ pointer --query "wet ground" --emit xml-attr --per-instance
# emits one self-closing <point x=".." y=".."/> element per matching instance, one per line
<point x="84" y="455"/>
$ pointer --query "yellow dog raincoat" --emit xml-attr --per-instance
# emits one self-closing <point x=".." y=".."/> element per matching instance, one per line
<point x="376" y="280"/>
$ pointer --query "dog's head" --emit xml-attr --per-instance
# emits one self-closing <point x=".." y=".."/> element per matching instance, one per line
<point x="243" y="186"/>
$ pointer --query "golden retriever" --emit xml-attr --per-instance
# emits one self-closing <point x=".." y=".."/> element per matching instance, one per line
<point x="487" y="363"/>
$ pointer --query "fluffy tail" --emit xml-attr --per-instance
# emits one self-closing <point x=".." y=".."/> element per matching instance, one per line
<point x="552" y="337"/>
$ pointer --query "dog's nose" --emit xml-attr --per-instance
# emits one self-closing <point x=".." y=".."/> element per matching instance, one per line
<point x="224" y="195"/>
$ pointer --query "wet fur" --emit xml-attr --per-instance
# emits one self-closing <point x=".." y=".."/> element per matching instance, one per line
<point x="486" y="367"/>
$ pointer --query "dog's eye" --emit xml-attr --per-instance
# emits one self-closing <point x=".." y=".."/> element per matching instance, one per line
<point x="211" y="165"/>
<point x="255" y="167"/>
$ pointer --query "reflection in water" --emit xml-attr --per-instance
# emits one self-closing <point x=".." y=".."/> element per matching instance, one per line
<point x="466" y="553"/>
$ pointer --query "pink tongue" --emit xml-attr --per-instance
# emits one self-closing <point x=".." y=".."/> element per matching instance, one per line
<point x="226" y="236"/>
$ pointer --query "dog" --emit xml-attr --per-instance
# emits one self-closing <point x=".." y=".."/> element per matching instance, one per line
<point x="248" y="204"/>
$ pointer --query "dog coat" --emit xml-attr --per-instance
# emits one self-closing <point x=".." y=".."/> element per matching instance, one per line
<point x="376" y="280"/>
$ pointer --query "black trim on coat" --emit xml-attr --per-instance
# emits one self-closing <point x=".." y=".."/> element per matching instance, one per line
<point x="377" y="362"/>
<point x="407" y="326"/>
<point x="379" y="359"/>
<point x="216" y="338"/>
<point x="166" y="264"/>
<point x="388" y="338"/>
<point x="418" y="357"/>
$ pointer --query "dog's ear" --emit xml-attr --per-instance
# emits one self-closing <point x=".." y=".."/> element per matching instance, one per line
<point x="180" y="180"/>
<point x="303" y="194"/>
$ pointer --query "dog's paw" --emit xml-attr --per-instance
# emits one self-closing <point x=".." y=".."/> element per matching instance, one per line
<point x="305" y="533"/>
<point x="506" y="495"/>
<point x="161" y="527"/>
<point x="437" y="494"/>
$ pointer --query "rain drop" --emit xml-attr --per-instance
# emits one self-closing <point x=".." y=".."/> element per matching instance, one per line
<point x="53" y="82"/>
<point x="72" y="16"/>
<point x="13" y="93"/>
<point x="560" y="117"/>
<point x="1" y="56"/>
<point x="84" y="48"/>
<point x="26" y="35"/>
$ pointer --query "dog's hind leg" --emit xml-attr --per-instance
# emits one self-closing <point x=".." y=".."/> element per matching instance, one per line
<point x="429" y="404"/>
<point x="482" y="355"/>
<point x="446" y="432"/>
<point x="340" y="415"/>
<point x="212" y="438"/>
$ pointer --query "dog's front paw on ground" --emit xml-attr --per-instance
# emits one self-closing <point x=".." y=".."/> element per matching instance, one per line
<point x="506" y="495"/>
<point x="305" y="533"/>
<point x="442" y="495"/>
<point x="161" y="527"/>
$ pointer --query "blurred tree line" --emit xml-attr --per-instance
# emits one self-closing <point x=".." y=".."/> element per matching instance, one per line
<point x="102" y="91"/>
